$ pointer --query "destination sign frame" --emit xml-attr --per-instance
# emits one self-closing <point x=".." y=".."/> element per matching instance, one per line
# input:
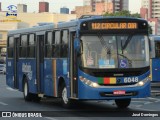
<point x="113" y="25"/>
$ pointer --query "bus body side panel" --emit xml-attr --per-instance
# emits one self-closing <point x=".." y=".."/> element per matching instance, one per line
<point x="87" y="92"/>
<point x="155" y="69"/>
<point x="62" y="71"/>
<point x="54" y="70"/>
<point x="48" y="81"/>
<point x="28" y="68"/>
<point x="10" y="73"/>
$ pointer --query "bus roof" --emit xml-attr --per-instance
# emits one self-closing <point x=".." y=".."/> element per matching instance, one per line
<point x="71" y="23"/>
<point x="41" y="27"/>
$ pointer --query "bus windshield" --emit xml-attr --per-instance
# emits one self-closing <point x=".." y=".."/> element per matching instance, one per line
<point x="114" y="51"/>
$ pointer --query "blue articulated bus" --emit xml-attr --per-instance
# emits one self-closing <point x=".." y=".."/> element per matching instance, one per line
<point x="102" y="58"/>
<point x="155" y="58"/>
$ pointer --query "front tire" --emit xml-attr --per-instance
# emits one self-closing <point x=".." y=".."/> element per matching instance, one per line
<point x="122" y="103"/>
<point x="66" y="102"/>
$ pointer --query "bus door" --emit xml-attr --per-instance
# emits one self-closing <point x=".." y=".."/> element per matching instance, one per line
<point x="40" y="63"/>
<point x="15" y="55"/>
<point x="73" y="67"/>
<point x="156" y="63"/>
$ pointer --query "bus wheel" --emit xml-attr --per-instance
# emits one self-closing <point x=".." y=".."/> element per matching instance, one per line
<point x="64" y="99"/>
<point x="122" y="103"/>
<point x="26" y="94"/>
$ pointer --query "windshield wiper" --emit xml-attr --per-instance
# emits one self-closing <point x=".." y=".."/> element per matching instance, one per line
<point x="126" y="43"/>
<point x="104" y="45"/>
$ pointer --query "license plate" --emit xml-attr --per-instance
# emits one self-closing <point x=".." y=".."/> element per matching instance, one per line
<point x="119" y="92"/>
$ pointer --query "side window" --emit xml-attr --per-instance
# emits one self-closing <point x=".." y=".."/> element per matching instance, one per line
<point x="23" y="46"/>
<point x="10" y="47"/>
<point x="64" y="43"/>
<point x="48" y="45"/>
<point x="31" y="46"/>
<point x="157" y="49"/>
<point x="56" y="45"/>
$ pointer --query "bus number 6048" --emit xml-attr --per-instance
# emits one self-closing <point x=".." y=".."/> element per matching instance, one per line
<point x="130" y="79"/>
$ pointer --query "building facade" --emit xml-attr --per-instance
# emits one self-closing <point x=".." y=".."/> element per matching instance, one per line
<point x="21" y="8"/>
<point x="150" y="10"/>
<point x="86" y="2"/>
<point x="0" y="7"/>
<point x="153" y="7"/>
<point x="43" y="7"/>
<point x="117" y="4"/>
<point x="99" y="7"/>
<point x="64" y="10"/>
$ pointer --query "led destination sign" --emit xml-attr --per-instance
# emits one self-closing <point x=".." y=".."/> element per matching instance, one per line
<point x="101" y="26"/>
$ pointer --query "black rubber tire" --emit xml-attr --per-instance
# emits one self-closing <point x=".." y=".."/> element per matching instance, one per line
<point x="122" y="103"/>
<point x="66" y="102"/>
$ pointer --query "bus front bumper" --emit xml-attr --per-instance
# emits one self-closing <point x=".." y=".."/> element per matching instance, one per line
<point x="139" y="90"/>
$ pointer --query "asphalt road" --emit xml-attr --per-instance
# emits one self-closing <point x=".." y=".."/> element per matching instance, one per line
<point x="12" y="101"/>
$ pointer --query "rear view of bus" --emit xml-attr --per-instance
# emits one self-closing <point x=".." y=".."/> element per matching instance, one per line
<point x="113" y="61"/>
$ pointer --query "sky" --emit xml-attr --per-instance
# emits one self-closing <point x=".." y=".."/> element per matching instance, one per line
<point x="55" y="5"/>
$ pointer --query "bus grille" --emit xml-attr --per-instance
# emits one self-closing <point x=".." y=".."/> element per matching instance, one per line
<point x="109" y="74"/>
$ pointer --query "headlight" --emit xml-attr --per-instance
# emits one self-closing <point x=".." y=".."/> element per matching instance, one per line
<point x="143" y="82"/>
<point x="88" y="82"/>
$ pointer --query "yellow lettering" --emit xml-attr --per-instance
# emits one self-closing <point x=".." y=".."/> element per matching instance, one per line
<point x="114" y="25"/>
<point x="132" y="25"/>
<point x="123" y="25"/>
<point x="103" y="25"/>
<point x="93" y="25"/>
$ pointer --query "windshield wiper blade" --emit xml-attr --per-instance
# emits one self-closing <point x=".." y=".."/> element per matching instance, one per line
<point x="127" y="42"/>
<point x="104" y="45"/>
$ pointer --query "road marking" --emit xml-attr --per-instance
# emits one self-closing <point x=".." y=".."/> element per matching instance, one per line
<point x="49" y="118"/>
<point x="157" y="101"/>
<point x="10" y="89"/>
<point x="2" y="103"/>
<point x="147" y="103"/>
<point x="137" y="106"/>
<point x="153" y="98"/>
<point x="138" y="101"/>
<point x="145" y="109"/>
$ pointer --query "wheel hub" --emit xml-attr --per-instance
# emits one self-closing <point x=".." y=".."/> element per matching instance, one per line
<point x="25" y="89"/>
<point x="64" y="95"/>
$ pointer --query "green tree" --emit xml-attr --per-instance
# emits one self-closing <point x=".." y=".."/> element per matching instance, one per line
<point x="120" y="13"/>
<point x="150" y="29"/>
<point x="136" y="15"/>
